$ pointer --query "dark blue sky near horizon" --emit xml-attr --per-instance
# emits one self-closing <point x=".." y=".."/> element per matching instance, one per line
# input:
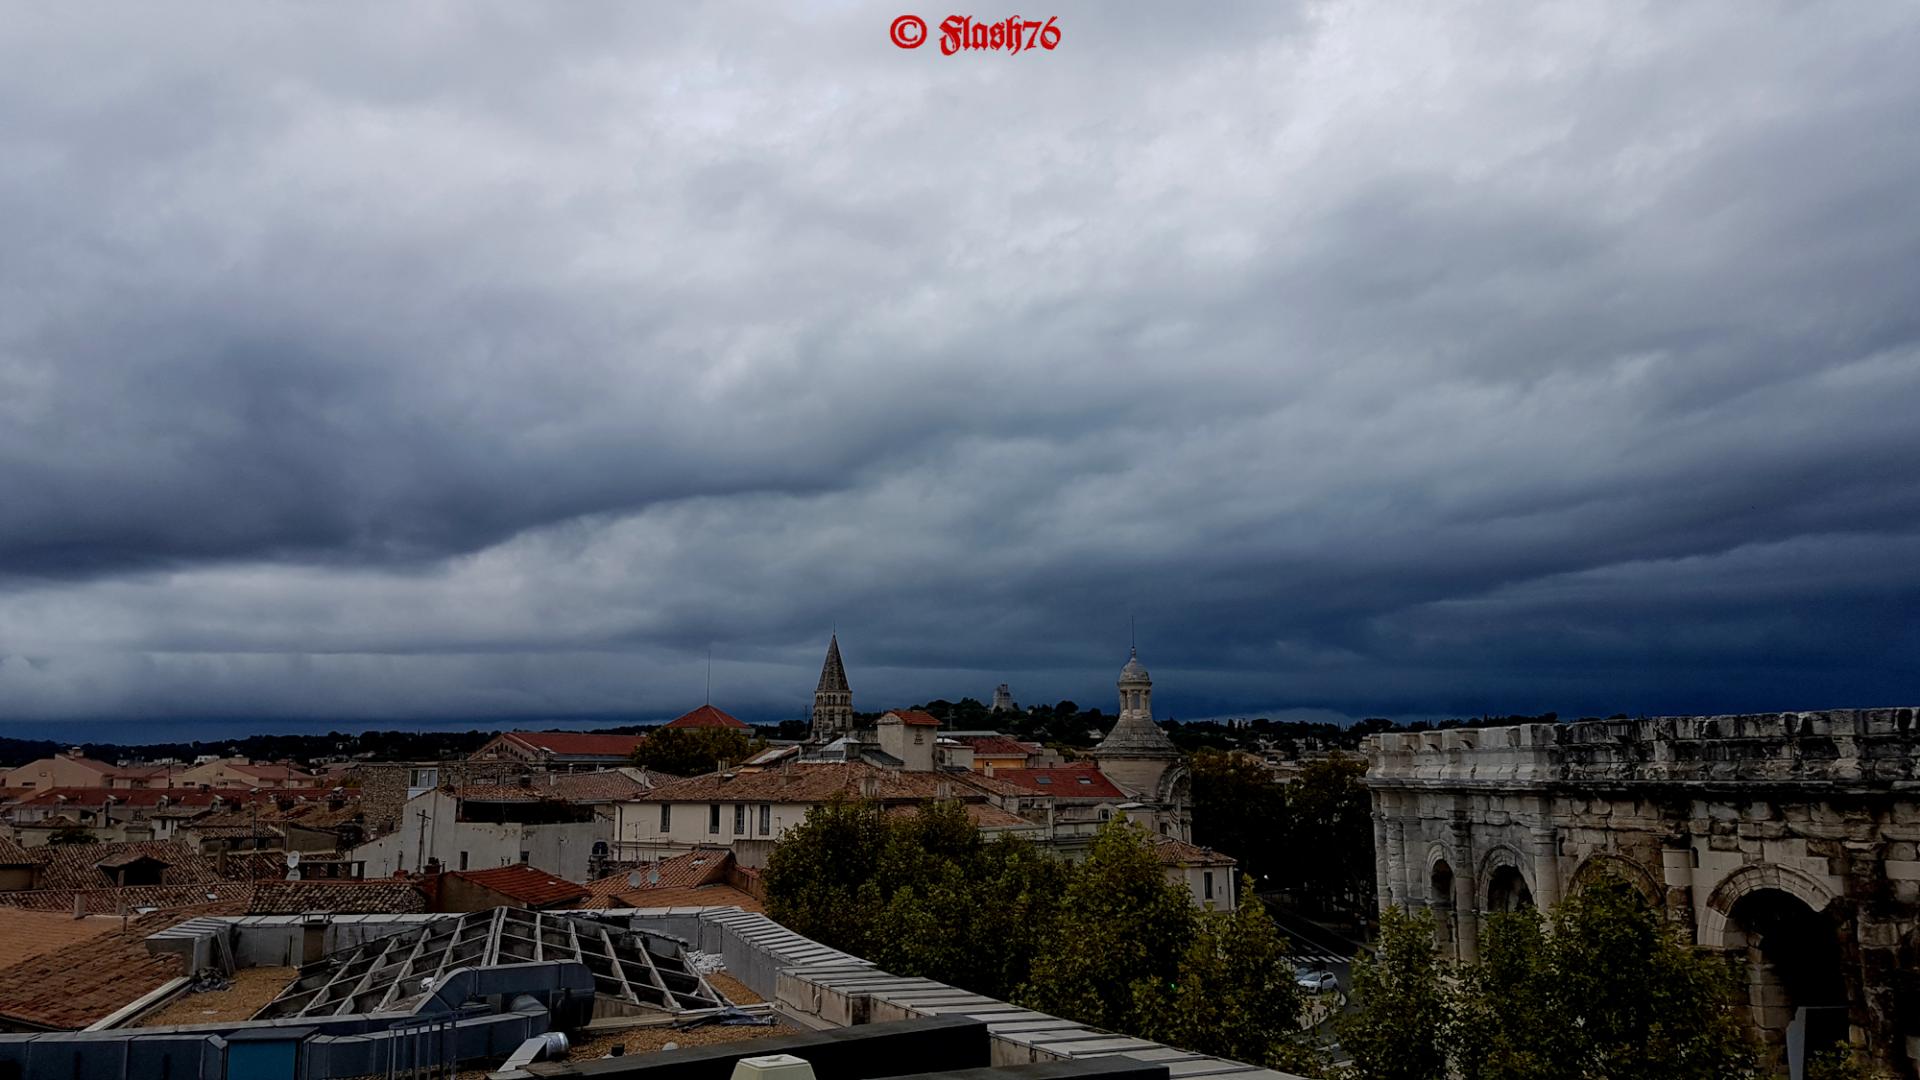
<point x="486" y="363"/>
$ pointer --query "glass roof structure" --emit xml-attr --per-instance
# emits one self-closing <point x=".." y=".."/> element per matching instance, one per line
<point x="632" y="970"/>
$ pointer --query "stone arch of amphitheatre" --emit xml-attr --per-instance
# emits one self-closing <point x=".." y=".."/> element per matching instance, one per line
<point x="1785" y="841"/>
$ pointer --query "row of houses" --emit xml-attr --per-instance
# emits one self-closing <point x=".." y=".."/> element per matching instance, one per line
<point x="74" y="769"/>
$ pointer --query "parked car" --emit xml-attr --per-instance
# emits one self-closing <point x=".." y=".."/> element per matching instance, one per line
<point x="1317" y="982"/>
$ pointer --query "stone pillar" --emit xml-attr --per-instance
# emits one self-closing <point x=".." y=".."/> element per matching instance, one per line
<point x="1382" y="887"/>
<point x="1466" y="899"/>
<point x="1676" y="867"/>
<point x="1396" y="860"/>
<point x="1546" y="864"/>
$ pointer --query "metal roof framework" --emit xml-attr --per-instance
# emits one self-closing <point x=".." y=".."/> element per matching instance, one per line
<point x="397" y="972"/>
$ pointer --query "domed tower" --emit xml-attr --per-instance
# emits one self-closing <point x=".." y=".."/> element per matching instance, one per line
<point x="832" y="698"/>
<point x="1140" y="758"/>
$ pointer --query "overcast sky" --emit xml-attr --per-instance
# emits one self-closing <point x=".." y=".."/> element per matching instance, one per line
<point x="436" y="362"/>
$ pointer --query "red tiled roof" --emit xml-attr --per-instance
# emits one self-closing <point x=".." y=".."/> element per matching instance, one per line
<point x="25" y="933"/>
<point x="1173" y="852"/>
<point x="12" y="854"/>
<point x="72" y="987"/>
<point x="706" y="716"/>
<point x="115" y="901"/>
<point x="340" y="897"/>
<point x="805" y="782"/>
<point x="998" y="746"/>
<point x="1064" y="781"/>
<point x="914" y="717"/>
<point x="522" y="883"/>
<point x="697" y="877"/>
<point x="579" y="744"/>
<point x="77" y="866"/>
<point x="678" y="896"/>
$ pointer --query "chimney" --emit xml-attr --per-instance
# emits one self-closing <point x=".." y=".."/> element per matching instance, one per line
<point x="526" y="779"/>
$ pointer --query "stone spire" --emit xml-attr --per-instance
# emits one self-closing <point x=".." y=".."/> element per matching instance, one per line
<point x="1135" y="735"/>
<point x="832" y="698"/>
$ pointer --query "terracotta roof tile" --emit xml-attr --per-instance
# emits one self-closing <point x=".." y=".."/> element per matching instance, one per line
<point x="12" y="854"/>
<point x="339" y="897"/>
<point x="71" y="987"/>
<point x="679" y="896"/>
<point x="998" y="746"/>
<point x="804" y="782"/>
<point x="706" y="716"/>
<point x="25" y="934"/>
<point x="130" y="898"/>
<point x="914" y="717"/>
<point x="578" y="744"/>
<point x="1063" y="782"/>
<point x="77" y="866"/>
<point x="522" y="883"/>
<point x="1173" y="852"/>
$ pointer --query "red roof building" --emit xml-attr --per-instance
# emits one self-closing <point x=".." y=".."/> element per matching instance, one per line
<point x="1064" y="782"/>
<point x="562" y="750"/>
<point x="706" y="716"/>
<point x="518" y="885"/>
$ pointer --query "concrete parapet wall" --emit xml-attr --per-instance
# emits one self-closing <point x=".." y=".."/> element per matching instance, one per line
<point x="825" y="987"/>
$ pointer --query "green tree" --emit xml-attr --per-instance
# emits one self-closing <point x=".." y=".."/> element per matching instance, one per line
<point x="1604" y="988"/>
<point x="1397" y="1030"/>
<point x="1330" y="835"/>
<point x="1504" y="1020"/>
<point x="1239" y="809"/>
<point x="693" y="751"/>
<point x="71" y="834"/>
<point x="822" y="878"/>
<point x="1234" y="993"/>
<point x="1122" y="923"/>
<point x="1630" y="999"/>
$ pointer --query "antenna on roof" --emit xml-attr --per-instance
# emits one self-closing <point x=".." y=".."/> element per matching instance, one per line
<point x="1133" y="639"/>
<point x="709" y="672"/>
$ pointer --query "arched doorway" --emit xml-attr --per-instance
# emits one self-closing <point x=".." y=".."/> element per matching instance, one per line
<point x="1795" y="975"/>
<point x="1507" y="890"/>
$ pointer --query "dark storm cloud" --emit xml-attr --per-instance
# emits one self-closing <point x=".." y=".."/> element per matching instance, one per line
<point x="470" y="360"/>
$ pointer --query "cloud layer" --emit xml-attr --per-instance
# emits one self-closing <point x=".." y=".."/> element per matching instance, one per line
<point x="494" y="360"/>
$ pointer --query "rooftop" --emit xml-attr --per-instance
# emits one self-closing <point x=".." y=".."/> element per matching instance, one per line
<point x="1063" y="781"/>
<point x="706" y="716"/>
<point x="524" y="885"/>
<point x="804" y="782"/>
<point x="384" y="974"/>
<point x="578" y="744"/>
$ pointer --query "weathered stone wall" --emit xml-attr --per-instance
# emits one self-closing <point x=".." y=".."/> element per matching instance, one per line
<point x="1729" y="823"/>
<point x="383" y="785"/>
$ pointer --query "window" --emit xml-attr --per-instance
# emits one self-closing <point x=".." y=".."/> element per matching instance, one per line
<point x="524" y="856"/>
<point x="739" y="819"/>
<point x="766" y="818"/>
<point x="666" y="817"/>
<point x="919" y="738"/>
<point x="1206" y="884"/>
<point x="463" y="860"/>
<point x="713" y="819"/>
